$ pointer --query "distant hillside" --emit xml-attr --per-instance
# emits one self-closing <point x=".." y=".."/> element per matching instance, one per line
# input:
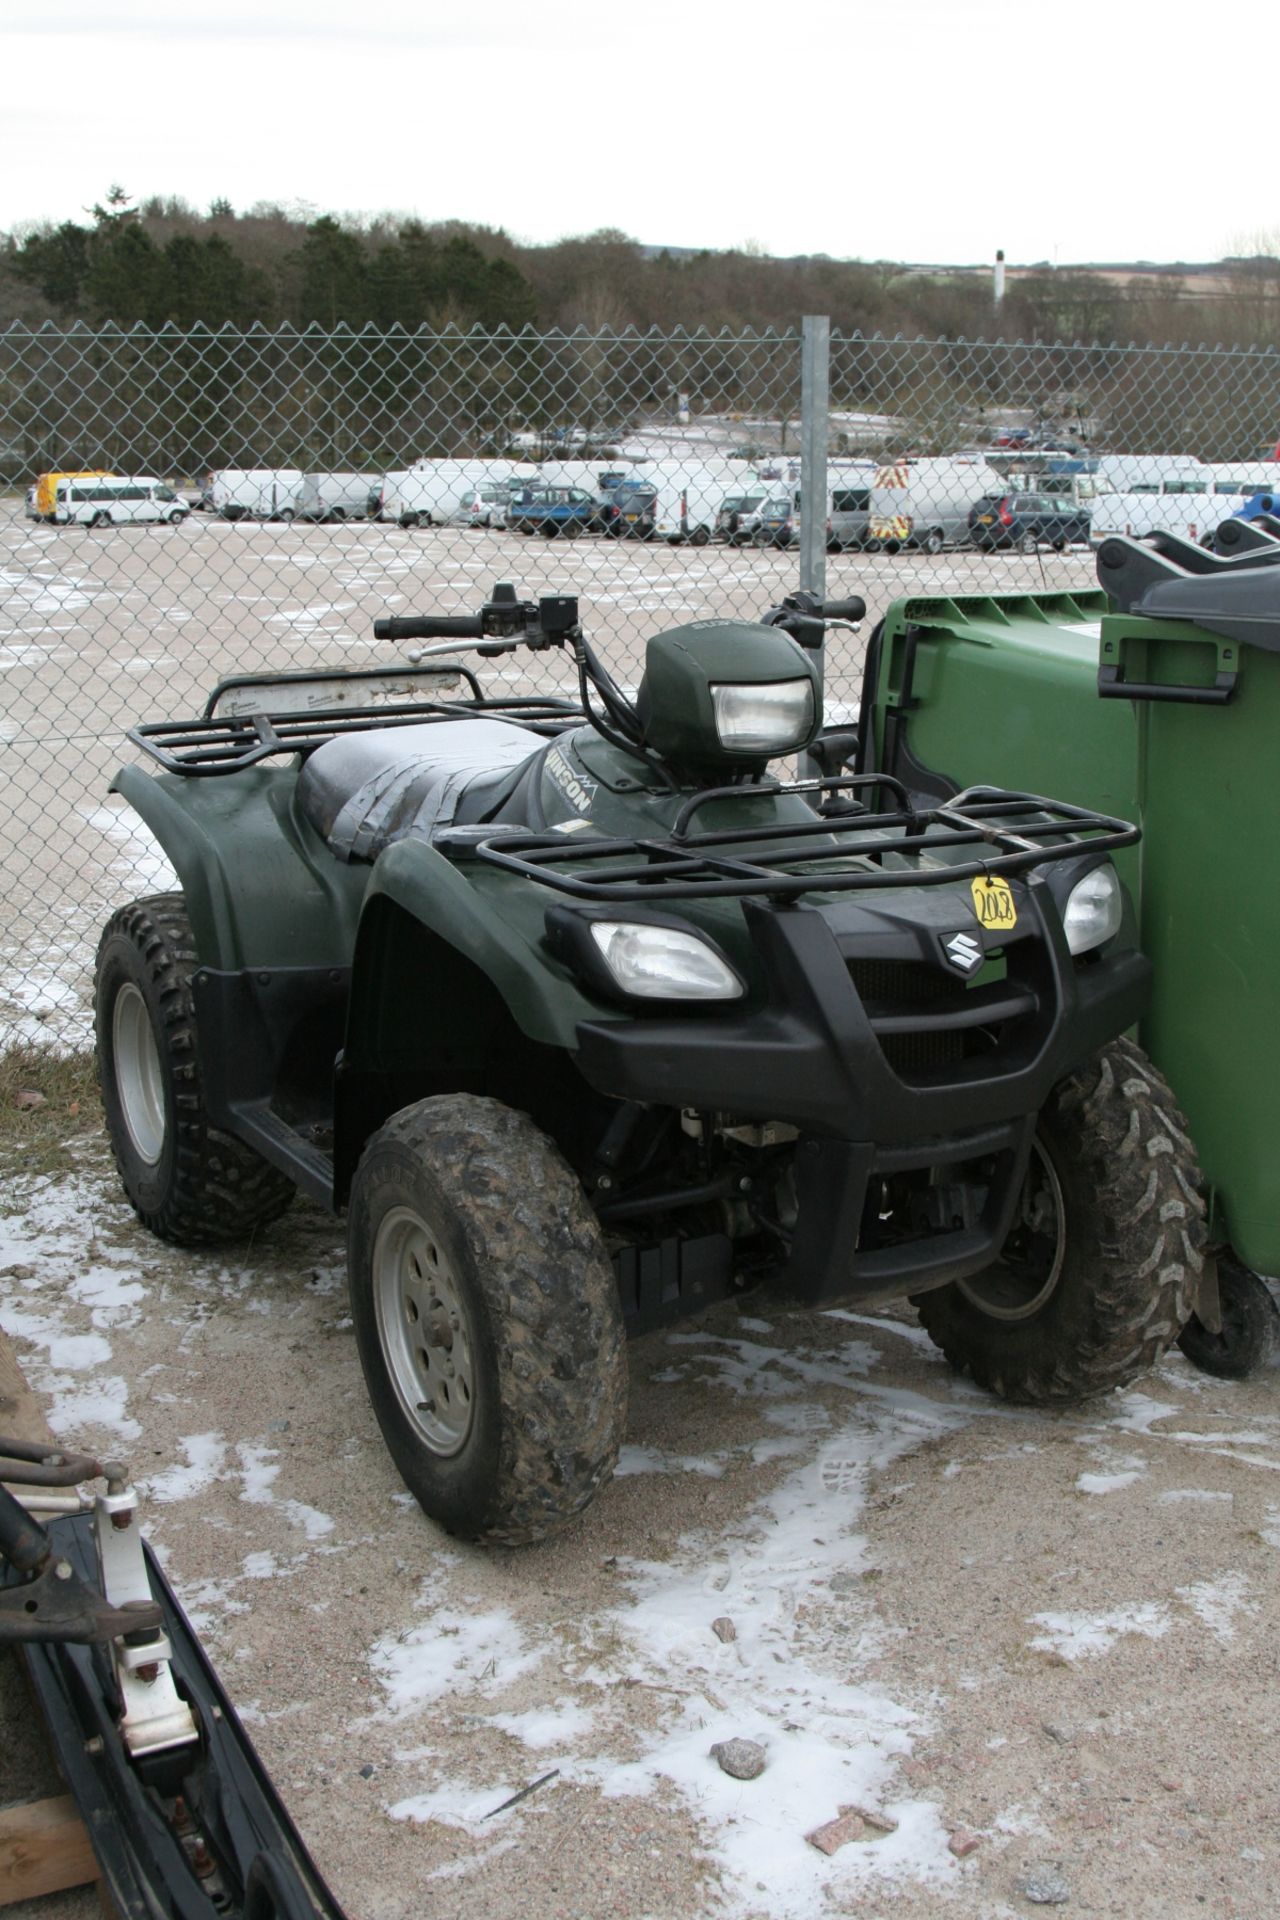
<point x="163" y="261"/>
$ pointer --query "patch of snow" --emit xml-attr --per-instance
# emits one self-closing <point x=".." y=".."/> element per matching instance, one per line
<point x="1079" y="1636"/>
<point x="206" y="1455"/>
<point x="1108" y="1482"/>
<point x="1217" y="1602"/>
<point x="453" y="1650"/>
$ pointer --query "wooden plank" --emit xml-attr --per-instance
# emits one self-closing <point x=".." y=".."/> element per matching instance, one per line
<point x="43" y="1849"/>
<point x="21" y="1414"/>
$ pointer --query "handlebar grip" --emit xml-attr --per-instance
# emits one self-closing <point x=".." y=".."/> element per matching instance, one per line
<point x="426" y="626"/>
<point x="854" y="608"/>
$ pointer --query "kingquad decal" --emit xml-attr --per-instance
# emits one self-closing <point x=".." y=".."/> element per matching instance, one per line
<point x="993" y="904"/>
<point x="579" y="793"/>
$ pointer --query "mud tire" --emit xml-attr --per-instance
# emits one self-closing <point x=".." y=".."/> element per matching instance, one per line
<point x="202" y="1187"/>
<point x="526" y="1268"/>
<point x="1250" y="1335"/>
<point x="1133" y="1218"/>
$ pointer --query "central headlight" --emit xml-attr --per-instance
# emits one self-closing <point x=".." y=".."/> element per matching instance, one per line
<point x="770" y="718"/>
<point x="1093" y="910"/>
<point x="664" y="963"/>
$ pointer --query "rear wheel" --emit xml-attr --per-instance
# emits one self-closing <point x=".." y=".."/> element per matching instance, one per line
<point x="100" y="519"/>
<point x="186" y="1179"/>
<point x="1025" y="543"/>
<point x="1097" y="1277"/>
<point x="699" y="537"/>
<point x="287" y="516"/>
<point x="1250" y="1332"/>
<point x="487" y="1318"/>
<point x="933" y="542"/>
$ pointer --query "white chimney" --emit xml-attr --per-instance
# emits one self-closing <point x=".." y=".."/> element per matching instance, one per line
<point x="998" y="281"/>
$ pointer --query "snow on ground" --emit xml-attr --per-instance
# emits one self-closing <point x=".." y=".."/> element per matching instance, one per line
<point x="820" y="1482"/>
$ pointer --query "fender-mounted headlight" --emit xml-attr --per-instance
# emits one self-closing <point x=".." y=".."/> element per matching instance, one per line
<point x="769" y="718"/>
<point x="1093" y="910"/>
<point x="664" y="963"/>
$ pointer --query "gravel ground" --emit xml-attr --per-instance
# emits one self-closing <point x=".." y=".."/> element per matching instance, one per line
<point x="1044" y="1643"/>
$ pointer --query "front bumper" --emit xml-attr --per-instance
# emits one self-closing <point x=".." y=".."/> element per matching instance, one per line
<point x="819" y="1055"/>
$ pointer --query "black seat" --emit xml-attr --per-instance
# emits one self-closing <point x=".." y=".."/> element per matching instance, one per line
<point x="362" y="791"/>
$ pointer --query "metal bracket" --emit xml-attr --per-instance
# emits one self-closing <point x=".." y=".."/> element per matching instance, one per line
<point x="155" y="1716"/>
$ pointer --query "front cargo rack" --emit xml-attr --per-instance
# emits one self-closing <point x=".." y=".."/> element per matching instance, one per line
<point x="248" y="729"/>
<point x="1021" y="830"/>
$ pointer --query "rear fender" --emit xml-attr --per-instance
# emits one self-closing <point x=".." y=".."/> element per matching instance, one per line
<point x="261" y="889"/>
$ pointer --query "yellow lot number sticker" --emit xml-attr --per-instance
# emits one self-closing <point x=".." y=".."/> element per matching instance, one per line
<point x="993" y="904"/>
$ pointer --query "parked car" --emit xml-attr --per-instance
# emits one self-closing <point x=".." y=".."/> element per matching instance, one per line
<point x="551" y="511"/>
<point x="925" y="503"/>
<point x="254" y="493"/>
<point x="334" y="496"/>
<point x="1026" y="521"/>
<point x="104" y="502"/>
<point x="850" y="518"/>
<point x="482" y="507"/>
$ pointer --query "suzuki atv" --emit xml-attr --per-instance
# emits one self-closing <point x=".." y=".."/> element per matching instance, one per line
<point x="588" y="1021"/>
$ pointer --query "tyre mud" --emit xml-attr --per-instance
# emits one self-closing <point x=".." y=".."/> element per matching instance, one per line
<point x="202" y="1187"/>
<point x="544" y="1334"/>
<point x="1130" y="1254"/>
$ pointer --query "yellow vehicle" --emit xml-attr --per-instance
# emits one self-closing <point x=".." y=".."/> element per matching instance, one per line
<point x="47" y="487"/>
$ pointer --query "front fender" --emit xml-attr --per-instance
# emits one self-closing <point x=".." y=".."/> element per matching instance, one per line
<point x="496" y="924"/>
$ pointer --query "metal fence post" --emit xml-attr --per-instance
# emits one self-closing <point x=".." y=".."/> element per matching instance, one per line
<point x="815" y="395"/>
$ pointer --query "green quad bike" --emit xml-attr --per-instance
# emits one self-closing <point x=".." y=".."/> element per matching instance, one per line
<point x="589" y="1022"/>
<point x="1156" y="697"/>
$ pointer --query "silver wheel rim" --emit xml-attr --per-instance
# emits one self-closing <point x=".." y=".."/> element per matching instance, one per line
<point x="139" y="1081"/>
<point x="424" y="1331"/>
<point x="1012" y="1290"/>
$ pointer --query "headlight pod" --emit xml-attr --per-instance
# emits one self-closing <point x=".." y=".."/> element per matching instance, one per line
<point x="1093" y="911"/>
<point x="654" y="962"/>
<point x="771" y="717"/>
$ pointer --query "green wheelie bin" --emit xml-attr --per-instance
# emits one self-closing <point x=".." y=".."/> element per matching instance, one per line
<point x="1158" y="700"/>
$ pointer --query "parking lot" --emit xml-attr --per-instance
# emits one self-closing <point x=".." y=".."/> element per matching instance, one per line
<point x="99" y="630"/>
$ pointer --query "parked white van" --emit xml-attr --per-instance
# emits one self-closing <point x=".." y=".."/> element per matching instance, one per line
<point x="925" y="502"/>
<point x="99" y="502"/>
<point x="430" y="493"/>
<point x="335" y="496"/>
<point x="254" y="493"/>
<point x="1141" y="493"/>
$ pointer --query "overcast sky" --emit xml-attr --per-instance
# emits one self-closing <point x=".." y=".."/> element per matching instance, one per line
<point x="901" y="129"/>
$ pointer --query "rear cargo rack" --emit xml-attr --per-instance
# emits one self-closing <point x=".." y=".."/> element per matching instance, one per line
<point x="228" y="743"/>
<point x="1018" y="830"/>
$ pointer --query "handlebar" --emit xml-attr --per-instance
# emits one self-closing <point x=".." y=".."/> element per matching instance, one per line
<point x="806" y="618"/>
<point x="854" y="608"/>
<point x="426" y="626"/>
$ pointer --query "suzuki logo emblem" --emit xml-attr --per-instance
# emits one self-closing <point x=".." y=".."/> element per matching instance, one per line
<point x="963" y="951"/>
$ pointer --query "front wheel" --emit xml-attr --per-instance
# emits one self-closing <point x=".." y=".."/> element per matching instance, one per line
<point x="487" y="1319"/>
<point x="177" y="517"/>
<point x="99" y="519"/>
<point x="1250" y="1332"/>
<point x="186" y="1179"/>
<point x="286" y="516"/>
<point x="933" y="542"/>
<point x="1097" y="1276"/>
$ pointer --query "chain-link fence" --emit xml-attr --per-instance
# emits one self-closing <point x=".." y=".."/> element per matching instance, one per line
<point x="247" y="501"/>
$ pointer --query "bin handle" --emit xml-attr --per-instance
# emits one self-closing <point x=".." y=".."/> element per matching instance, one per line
<point x="1113" y="685"/>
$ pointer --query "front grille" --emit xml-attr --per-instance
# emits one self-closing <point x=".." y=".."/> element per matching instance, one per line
<point x="889" y="987"/>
